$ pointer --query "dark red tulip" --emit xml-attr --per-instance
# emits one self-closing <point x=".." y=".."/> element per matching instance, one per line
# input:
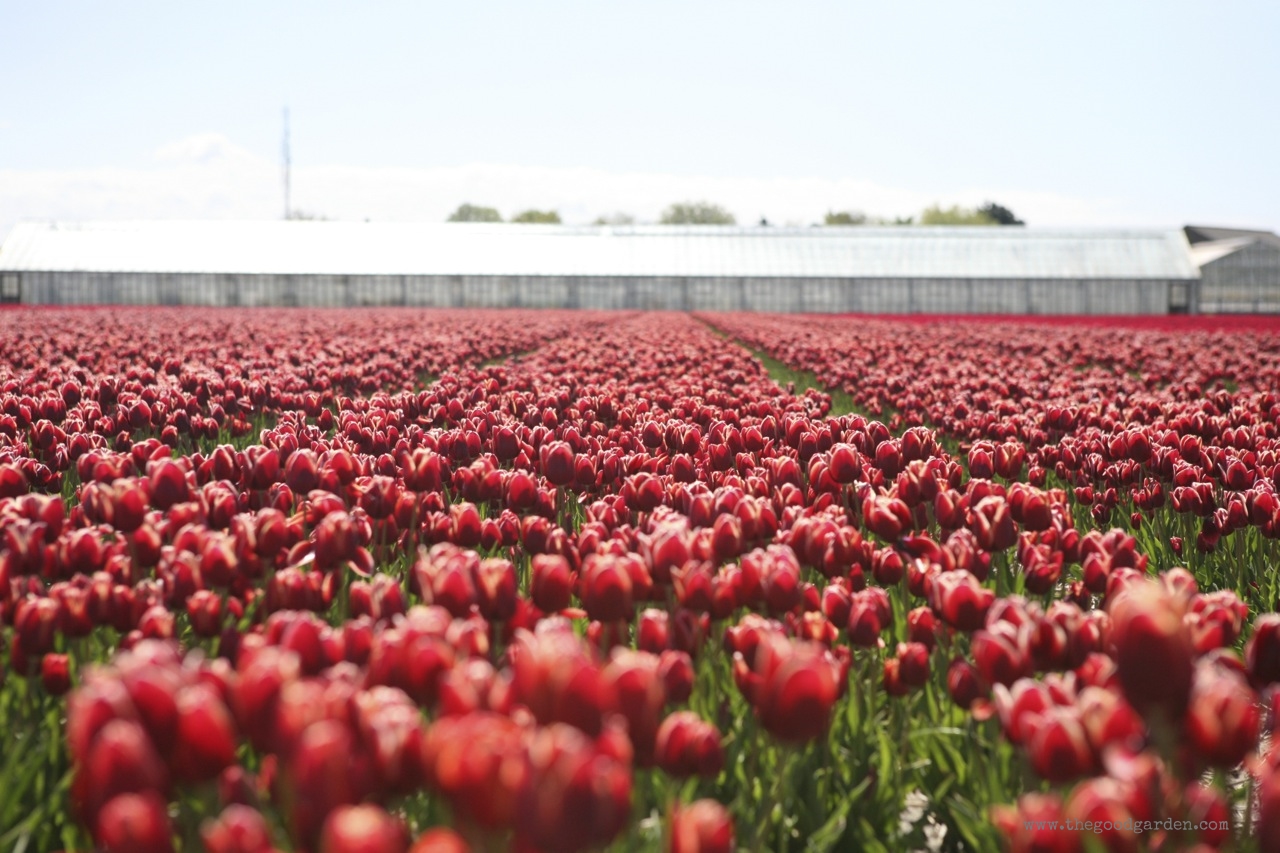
<point x="1154" y="653"/>
<point x="206" y="739"/>
<point x="605" y="587"/>
<point x="675" y="668"/>
<point x="959" y="600"/>
<point x="558" y="463"/>
<point x="575" y="796"/>
<point x="1262" y="652"/>
<point x="477" y="762"/>
<point x="686" y="745"/>
<point x="120" y="760"/>
<point x="964" y="684"/>
<point x="552" y="582"/>
<point x="886" y="517"/>
<point x="1058" y="747"/>
<point x="991" y="521"/>
<point x="793" y="687"/>
<point x="913" y="664"/>
<point x="55" y="674"/>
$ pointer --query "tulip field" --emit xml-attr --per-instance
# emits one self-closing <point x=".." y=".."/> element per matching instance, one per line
<point x="431" y="580"/>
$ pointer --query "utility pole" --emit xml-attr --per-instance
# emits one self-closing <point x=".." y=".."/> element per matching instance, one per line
<point x="288" y="204"/>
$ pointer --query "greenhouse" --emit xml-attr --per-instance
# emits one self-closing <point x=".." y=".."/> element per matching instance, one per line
<point x="1239" y="270"/>
<point x="934" y="270"/>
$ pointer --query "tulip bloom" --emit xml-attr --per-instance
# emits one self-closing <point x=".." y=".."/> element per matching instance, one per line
<point x="1262" y="652"/>
<point x="793" y="686"/>
<point x="606" y="589"/>
<point x="575" y="795"/>
<point x="703" y="826"/>
<point x="558" y="463"/>
<point x="239" y="829"/>
<point x="362" y="829"/>
<point x="55" y="674"/>
<point x="134" y="823"/>
<point x="1223" y="720"/>
<point x="959" y="600"/>
<point x="1154" y="652"/>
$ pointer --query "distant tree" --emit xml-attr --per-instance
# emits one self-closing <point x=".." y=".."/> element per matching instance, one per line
<point x="537" y="217"/>
<point x="999" y="214"/>
<point x="615" y="219"/>
<point x="954" y="215"/>
<point x="696" y="213"/>
<point x="845" y="217"/>
<point x="474" y="213"/>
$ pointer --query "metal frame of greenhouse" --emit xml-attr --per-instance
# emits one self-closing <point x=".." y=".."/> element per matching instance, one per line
<point x="928" y="270"/>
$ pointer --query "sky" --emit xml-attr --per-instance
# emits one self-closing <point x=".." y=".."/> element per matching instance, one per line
<point x="1079" y="114"/>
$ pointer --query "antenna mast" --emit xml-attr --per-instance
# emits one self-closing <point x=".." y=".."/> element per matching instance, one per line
<point x="288" y="205"/>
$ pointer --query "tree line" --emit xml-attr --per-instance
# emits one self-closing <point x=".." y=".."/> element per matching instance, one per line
<point x="707" y="213"/>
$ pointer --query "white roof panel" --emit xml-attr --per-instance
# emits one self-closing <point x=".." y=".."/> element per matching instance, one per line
<point x="1207" y="252"/>
<point x="387" y="248"/>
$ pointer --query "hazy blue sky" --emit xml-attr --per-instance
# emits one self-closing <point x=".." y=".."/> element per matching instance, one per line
<point x="1110" y="113"/>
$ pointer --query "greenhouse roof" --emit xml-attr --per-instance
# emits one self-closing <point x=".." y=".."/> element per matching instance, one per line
<point x="385" y="248"/>
<point x="1208" y="252"/>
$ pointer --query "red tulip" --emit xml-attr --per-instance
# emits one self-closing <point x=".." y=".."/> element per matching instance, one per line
<point x="846" y="464"/>
<point x="675" y="668"/>
<point x="703" y="826"/>
<point x="1262" y="652"/>
<point x="981" y="464"/>
<point x="496" y="588"/>
<point x="575" y="796"/>
<point x="120" y="760"/>
<point x="913" y="664"/>
<point x="960" y="600"/>
<point x="206" y="740"/>
<point x="302" y="472"/>
<point x="1223" y="720"/>
<point x="445" y="576"/>
<point x="551" y="582"/>
<point x="477" y="761"/>
<point x="556" y="678"/>
<point x="686" y="745"/>
<point x="1058" y="747"/>
<point x="964" y="684"/>
<point x="362" y="829"/>
<point x="134" y="823"/>
<point x="1102" y="802"/>
<point x="869" y="614"/>
<point x="793" y="687"/>
<point x="922" y="627"/>
<point x="606" y="588"/>
<point x="636" y="682"/>
<point x="558" y="463"/>
<point x="991" y="521"/>
<point x="1000" y="654"/>
<point x="1154" y="654"/>
<point x="204" y="608"/>
<point x="239" y="829"/>
<point x="1032" y="826"/>
<point x="55" y="674"/>
<point x="886" y="517"/>
<point x="440" y="840"/>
